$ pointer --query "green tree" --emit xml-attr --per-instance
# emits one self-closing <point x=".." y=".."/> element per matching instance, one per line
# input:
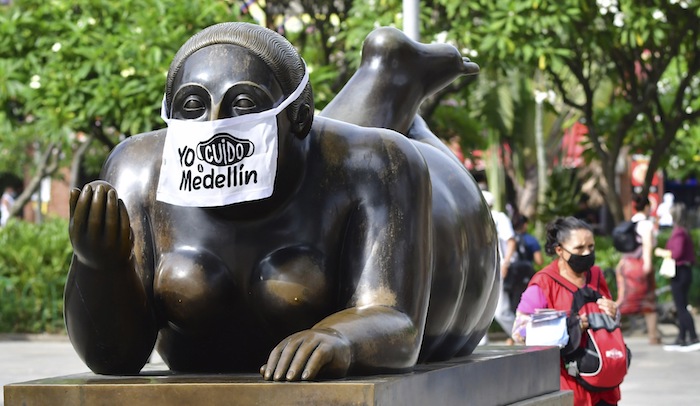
<point x="76" y="72"/>
<point x="630" y="69"/>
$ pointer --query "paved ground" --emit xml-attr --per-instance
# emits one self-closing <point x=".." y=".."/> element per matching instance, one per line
<point x="656" y="377"/>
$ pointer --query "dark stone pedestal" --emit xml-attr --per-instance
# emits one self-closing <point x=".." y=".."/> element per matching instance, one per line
<point x="490" y="376"/>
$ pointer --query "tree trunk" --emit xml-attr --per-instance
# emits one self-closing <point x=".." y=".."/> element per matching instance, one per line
<point x="47" y="166"/>
<point x="612" y="194"/>
<point x="527" y="194"/>
<point x="77" y="162"/>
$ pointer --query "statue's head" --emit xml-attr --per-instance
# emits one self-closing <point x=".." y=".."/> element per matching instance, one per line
<point x="234" y="68"/>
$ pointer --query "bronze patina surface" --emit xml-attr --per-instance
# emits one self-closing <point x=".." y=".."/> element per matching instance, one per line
<point x="374" y="252"/>
<point x="479" y="379"/>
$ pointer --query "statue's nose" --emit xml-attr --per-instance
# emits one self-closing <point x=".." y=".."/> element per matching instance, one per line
<point x="214" y="111"/>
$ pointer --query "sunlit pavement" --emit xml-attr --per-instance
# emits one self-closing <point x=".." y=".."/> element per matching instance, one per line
<point x="656" y="377"/>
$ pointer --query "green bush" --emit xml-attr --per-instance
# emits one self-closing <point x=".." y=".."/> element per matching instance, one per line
<point x="607" y="257"/>
<point x="34" y="260"/>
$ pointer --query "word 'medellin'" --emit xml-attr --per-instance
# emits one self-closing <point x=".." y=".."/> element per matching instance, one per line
<point x="233" y="177"/>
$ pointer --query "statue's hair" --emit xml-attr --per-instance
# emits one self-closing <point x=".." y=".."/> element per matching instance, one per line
<point x="277" y="53"/>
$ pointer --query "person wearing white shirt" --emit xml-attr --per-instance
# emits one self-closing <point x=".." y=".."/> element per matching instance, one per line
<point x="6" y="202"/>
<point x="506" y="239"/>
<point x="663" y="212"/>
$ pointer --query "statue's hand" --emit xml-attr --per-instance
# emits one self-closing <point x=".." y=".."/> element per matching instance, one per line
<point x="306" y="354"/>
<point x="99" y="226"/>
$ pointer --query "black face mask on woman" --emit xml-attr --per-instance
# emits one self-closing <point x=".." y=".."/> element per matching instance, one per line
<point x="580" y="263"/>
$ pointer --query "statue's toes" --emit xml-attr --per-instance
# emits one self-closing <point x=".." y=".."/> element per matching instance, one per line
<point x="469" y="67"/>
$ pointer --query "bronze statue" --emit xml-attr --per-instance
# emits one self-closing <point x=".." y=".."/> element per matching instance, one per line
<point x="372" y="249"/>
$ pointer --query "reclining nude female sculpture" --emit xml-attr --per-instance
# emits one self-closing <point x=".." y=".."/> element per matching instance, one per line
<point x="252" y="232"/>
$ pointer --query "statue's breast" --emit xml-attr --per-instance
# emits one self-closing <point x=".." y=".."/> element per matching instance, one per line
<point x="197" y="291"/>
<point x="194" y="290"/>
<point x="290" y="288"/>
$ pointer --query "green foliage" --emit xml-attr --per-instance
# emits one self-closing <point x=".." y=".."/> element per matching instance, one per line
<point x="34" y="263"/>
<point x="607" y="258"/>
<point x="629" y="68"/>
<point x="92" y="68"/>
<point x="449" y="120"/>
<point x="685" y="160"/>
<point x="563" y="197"/>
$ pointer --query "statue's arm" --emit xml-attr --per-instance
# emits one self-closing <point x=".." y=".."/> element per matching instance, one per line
<point x="386" y="269"/>
<point x="107" y="309"/>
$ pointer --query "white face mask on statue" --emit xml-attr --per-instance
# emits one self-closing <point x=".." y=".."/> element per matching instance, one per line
<point x="221" y="162"/>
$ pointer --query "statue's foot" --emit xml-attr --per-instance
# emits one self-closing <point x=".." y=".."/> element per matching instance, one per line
<point x="390" y="51"/>
<point x="395" y="75"/>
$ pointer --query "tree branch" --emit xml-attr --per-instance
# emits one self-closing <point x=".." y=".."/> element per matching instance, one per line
<point x="47" y="166"/>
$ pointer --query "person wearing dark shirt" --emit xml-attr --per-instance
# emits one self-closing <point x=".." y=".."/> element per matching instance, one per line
<point x="680" y="247"/>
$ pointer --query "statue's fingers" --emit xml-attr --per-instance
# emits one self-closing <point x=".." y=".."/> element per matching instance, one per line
<point x="302" y="356"/>
<point x="318" y="358"/>
<point x="272" y="360"/>
<point x="73" y="201"/>
<point x="126" y="236"/>
<point x="96" y="217"/>
<point x="111" y="222"/>
<point x="81" y="213"/>
<point x="285" y="360"/>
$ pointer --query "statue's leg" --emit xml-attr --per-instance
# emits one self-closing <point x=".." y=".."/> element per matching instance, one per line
<point x="395" y="75"/>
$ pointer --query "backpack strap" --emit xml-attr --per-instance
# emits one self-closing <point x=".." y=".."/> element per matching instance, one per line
<point x="582" y="295"/>
<point x="552" y="273"/>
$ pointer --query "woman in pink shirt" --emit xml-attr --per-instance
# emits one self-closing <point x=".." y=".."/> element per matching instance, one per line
<point x="680" y="247"/>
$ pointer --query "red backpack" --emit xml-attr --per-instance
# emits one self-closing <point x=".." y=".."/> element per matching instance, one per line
<point x="601" y="360"/>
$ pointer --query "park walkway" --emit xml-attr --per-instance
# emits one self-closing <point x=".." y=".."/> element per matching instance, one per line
<point x="656" y="377"/>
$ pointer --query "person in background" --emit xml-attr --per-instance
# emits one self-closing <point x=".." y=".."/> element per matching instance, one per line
<point x="6" y="202"/>
<point x="680" y="247"/>
<point x="456" y="148"/>
<point x="663" y="212"/>
<point x="528" y="252"/>
<point x="506" y="243"/>
<point x="635" y="274"/>
<point x="532" y="249"/>
<point x="571" y="241"/>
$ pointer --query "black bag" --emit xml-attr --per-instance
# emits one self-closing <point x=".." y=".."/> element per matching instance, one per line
<point x="624" y="237"/>
<point x="519" y="274"/>
<point x="516" y="281"/>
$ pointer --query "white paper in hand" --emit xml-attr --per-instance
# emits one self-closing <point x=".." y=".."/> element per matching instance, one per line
<point x="547" y="331"/>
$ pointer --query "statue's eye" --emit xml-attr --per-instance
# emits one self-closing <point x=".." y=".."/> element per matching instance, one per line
<point x="243" y="103"/>
<point x="193" y="107"/>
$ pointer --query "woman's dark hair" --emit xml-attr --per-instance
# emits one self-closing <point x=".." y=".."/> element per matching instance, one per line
<point x="519" y="220"/>
<point x="640" y="202"/>
<point x="559" y="230"/>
